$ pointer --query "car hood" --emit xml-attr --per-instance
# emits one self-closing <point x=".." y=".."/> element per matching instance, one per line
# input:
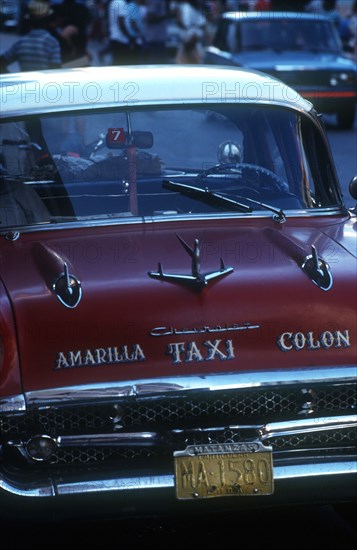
<point x="260" y="310"/>
<point x="268" y="61"/>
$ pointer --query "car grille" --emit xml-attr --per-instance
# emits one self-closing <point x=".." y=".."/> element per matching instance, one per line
<point x="196" y="417"/>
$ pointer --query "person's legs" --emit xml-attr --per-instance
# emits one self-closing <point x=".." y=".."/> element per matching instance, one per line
<point x="120" y="53"/>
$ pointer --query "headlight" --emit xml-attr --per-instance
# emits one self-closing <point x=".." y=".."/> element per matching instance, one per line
<point x="41" y="447"/>
<point x="342" y="78"/>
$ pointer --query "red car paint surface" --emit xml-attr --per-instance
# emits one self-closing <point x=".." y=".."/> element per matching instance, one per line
<point x="265" y="262"/>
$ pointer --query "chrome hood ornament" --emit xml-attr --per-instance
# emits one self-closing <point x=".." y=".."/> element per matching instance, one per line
<point x="197" y="279"/>
<point x="315" y="267"/>
<point x="317" y="270"/>
<point x="68" y="288"/>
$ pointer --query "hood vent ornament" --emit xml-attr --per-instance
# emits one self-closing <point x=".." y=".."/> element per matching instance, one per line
<point x="197" y="279"/>
<point x="68" y="289"/>
<point x="317" y="270"/>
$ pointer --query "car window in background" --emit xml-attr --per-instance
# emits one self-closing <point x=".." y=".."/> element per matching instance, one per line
<point x="286" y="35"/>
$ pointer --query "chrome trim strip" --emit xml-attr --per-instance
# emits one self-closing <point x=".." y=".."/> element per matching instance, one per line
<point x="167" y="385"/>
<point x="80" y="224"/>
<point x="40" y="488"/>
<point x="150" y="439"/>
<point x="281" y="429"/>
<point x="50" y="488"/>
<point x="135" y="439"/>
<point x="314" y="470"/>
<point x="116" y="484"/>
<point x="12" y="404"/>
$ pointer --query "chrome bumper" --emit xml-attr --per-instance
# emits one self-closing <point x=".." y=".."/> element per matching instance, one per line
<point x="331" y="468"/>
<point x="60" y="487"/>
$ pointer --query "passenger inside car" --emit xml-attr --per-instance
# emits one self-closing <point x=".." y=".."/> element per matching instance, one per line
<point x="20" y="205"/>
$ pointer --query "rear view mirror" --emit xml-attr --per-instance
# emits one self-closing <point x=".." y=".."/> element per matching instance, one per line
<point x="118" y="138"/>
<point x="143" y="140"/>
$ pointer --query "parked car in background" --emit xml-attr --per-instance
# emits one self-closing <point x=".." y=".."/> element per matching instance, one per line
<point x="178" y="292"/>
<point x="302" y="49"/>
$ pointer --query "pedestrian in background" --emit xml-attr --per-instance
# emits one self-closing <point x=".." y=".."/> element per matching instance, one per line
<point x="73" y="19"/>
<point x="329" y="9"/>
<point x="262" y="5"/>
<point x="158" y="15"/>
<point x="192" y="23"/>
<point x="352" y="25"/>
<point x="212" y="11"/>
<point x="236" y="6"/>
<point x="126" y="32"/>
<point x="293" y="5"/>
<point x="38" y="49"/>
<point x="99" y="21"/>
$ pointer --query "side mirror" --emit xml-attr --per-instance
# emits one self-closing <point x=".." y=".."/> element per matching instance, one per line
<point x="353" y="188"/>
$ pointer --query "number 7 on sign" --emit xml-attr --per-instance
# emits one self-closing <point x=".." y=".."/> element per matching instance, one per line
<point x="115" y="137"/>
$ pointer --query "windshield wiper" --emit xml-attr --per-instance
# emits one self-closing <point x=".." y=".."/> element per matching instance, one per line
<point x="207" y="196"/>
<point x="279" y="214"/>
<point x="215" y="198"/>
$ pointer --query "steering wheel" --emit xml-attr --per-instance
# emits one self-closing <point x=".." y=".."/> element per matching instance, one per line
<point x="275" y="183"/>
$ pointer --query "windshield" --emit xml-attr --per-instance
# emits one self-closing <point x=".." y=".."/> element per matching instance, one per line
<point x="285" y="34"/>
<point x="117" y="164"/>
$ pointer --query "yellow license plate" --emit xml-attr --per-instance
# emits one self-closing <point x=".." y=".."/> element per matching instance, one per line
<point x="206" y="471"/>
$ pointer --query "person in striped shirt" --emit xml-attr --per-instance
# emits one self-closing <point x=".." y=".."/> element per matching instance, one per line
<point x="38" y="49"/>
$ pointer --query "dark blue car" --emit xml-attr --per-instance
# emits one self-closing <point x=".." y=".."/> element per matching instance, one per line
<point x="302" y="49"/>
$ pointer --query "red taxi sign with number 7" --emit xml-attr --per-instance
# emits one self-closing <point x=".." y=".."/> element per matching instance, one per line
<point x="115" y="137"/>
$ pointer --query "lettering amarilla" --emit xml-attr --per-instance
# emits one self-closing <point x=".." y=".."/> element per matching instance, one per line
<point x="99" y="356"/>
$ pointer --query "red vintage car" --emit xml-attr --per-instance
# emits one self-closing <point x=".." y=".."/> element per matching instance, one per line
<point x="178" y="294"/>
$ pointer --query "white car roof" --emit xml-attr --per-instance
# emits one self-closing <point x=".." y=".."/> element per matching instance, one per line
<point x="59" y="90"/>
